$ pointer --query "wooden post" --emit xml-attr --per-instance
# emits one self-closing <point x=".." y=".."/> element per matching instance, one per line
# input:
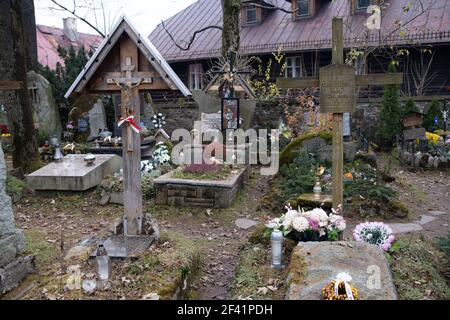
<point x="338" y="126"/>
<point x="338" y="160"/>
<point x="132" y="196"/>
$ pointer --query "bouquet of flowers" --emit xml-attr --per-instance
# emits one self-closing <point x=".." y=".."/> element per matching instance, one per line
<point x="303" y="226"/>
<point x="376" y="233"/>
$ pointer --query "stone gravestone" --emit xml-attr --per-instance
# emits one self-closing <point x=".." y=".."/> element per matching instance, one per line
<point x="45" y="110"/>
<point x="315" y="264"/>
<point x="97" y="119"/>
<point x="12" y="242"/>
<point x="211" y="121"/>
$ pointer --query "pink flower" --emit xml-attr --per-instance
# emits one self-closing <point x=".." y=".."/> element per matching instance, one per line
<point x="313" y="224"/>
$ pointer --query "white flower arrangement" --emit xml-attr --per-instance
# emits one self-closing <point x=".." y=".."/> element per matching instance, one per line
<point x="160" y="156"/>
<point x="309" y="224"/>
<point x="376" y="233"/>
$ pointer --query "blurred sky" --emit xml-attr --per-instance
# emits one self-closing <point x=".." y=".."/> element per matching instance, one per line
<point x="144" y="14"/>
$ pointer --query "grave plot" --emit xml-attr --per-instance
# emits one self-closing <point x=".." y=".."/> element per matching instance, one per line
<point x="212" y="188"/>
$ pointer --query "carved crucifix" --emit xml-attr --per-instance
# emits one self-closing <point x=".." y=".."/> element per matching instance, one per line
<point x="337" y="96"/>
<point x="127" y="63"/>
<point x="129" y="87"/>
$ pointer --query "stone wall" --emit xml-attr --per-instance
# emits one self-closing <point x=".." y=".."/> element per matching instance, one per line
<point x="267" y="115"/>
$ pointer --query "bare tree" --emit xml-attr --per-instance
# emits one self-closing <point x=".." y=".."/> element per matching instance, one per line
<point x="421" y="76"/>
<point x="100" y="21"/>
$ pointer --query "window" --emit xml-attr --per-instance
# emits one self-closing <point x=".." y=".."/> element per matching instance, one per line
<point x="195" y="76"/>
<point x="293" y="67"/>
<point x="362" y="4"/>
<point x="302" y="8"/>
<point x="250" y="13"/>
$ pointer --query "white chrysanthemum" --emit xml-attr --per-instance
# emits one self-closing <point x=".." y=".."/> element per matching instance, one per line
<point x="300" y="224"/>
<point x="320" y="216"/>
<point x="288" y="218"/>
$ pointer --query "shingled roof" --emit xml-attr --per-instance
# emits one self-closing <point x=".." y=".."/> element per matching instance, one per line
<point x="50" y="38"/>
<point x="278" y="28"/>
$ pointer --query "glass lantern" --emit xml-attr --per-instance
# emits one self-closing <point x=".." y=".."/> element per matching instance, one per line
<point x="276" y="241"/>
<point x="102" y="264"/>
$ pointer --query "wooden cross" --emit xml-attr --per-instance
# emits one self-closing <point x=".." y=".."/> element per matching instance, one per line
<point x="131" y="145"/>
<point x="337" y="96"/>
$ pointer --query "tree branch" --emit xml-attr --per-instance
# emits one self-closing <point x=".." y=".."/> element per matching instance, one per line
<point x="73" y="12"/>
<point x="192" y="38"/>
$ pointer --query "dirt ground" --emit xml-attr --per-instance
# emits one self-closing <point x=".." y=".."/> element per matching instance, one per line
<point x="54" y="223"/>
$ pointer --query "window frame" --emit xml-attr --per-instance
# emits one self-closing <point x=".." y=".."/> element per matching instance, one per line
<point x="251" y="8"/>
<point x="297" y="13"/>
<point x="294" y="67"/>
<point x="196" y="71"/>
<point x="362" y="7"/>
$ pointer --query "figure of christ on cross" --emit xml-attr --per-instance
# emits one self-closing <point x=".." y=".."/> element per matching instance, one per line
<point x="337" y="96"/>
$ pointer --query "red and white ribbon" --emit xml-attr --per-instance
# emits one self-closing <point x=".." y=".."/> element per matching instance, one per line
<point x="131" y="122"/>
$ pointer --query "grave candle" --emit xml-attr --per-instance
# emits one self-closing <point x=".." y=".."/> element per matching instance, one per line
<point x="276" y="240"/>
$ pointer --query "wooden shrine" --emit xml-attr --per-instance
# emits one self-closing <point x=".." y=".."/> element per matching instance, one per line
<point x="128" y="63"/>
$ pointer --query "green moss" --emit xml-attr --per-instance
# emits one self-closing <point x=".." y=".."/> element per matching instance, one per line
<point x="290" y="152"/>
<point x="258" y="236"/>
<point x="297" y="268"/>
<point x="37" y="245"/>
<point x="166" y="271"/>
<point x="15" y="187"/>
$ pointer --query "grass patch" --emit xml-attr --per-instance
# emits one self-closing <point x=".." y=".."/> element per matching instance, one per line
<point x="44" y="252"/>
<point x="168" y="268"/>
<point x="417" y="268"/>
<point x="255" y="278"/>
<point x="222" y="174"/>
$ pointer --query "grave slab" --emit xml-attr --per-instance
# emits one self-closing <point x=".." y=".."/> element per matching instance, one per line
<point x="426" y="220"/>
<point x="72" y="174"/>
<point x="246" y="223"/>
<point x="437" y="213"/>
<point x="398" y="228"/>
<point x="315" y="264"/>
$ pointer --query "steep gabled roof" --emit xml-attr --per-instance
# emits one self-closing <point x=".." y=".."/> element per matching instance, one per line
<point x="147" y="48"/>
<point x="279" y="30"/>
<point x="49" y="39"/>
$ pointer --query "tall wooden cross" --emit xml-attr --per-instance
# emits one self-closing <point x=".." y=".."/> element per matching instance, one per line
<point x="127" y="63"/>
<point x="337" y="96"/>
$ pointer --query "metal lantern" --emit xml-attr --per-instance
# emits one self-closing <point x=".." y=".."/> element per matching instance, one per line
<point x="276" y="241"/>
<point x="102" y="264"/>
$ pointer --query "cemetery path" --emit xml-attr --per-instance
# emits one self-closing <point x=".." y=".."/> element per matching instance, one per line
<point x="427" y="194"/>
<point x="222" y="239"/>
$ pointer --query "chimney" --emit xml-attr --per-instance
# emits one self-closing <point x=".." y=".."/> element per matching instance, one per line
<point x="70" y="29"/>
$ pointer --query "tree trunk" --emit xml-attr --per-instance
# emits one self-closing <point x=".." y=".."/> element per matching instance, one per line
<point x="231" y="26"/>
<point x="29" y="25"/>
<point x="14" y="61"/>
